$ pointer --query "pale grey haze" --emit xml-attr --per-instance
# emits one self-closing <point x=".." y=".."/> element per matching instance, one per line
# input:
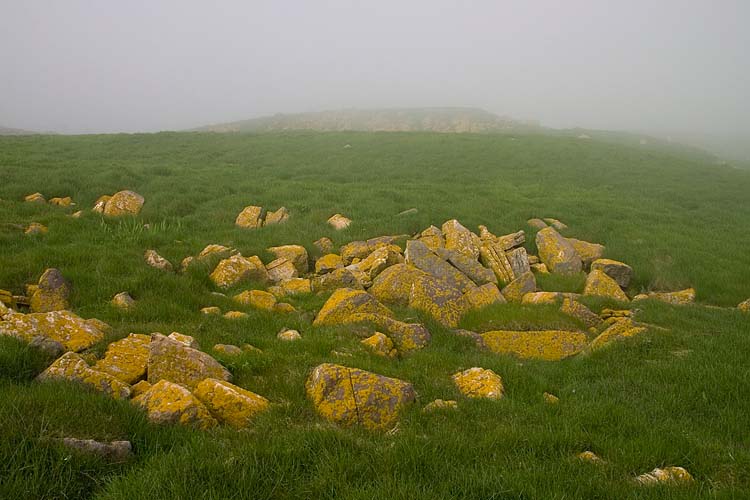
<point x="107" y="66"/>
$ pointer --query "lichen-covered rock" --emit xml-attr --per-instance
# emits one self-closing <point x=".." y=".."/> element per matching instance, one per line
<point x="281" y="269"/>
<point x="536" y="298"/>
<point x="235" y="315"/>
<point x="549" y="345"/>
<point x="339" y="222"/>
<point x="277" y="217"/>
<point x="123" y="301"/>
<point x="35" y="198"/>
<point x="550" y="399"/>
<point x="155" y="260"/>
<point x="460" y="239"/>
<point x="418" y="255"/>
<point x="536" y="223"/>
<point x="407" y="337"/>
<point x="468" y="266"/>
<point x="433" y="238"/>
<point x="377" y="261"/>
<point x="519" y="261"/>
<point x="324" y="245"/>
<point x="52" y="292"/>
<point x="256" y="298"/>
<point x="327" y="263"/>
<point x="600" y="285"/>
<point x="579" y="311"/>
<point x="679" y="298"/>
<point x="296" y="254"/>
<point x="124" y="203"/>
<point x="227" y="349"/>
<point x="211" y="310"/>
<point x="100" y="203"/>
<point x="348" y="396"/>
<point x="288" y="335"/>
<point x="77" y="215"/>
<point x="484" y="296"/>
<point x="293" y="286"/>
<point x="618" y="271"/>
<point x="139" y="388"/>
<point x="557" y="253"/>
<point x="73" y="332"/>
<point x="496" y="259"/>
<point x="394" y="284"/>
<point x="284" y="307"/>
<point x="344" y="303"/>
<point x="380" y="344"/>
<point x="183" y="339"/>
<point x="238" y="269"/>
<point x="126" y="359"/>
<point x="667" y="475"/>
<point x="744" y="306"/>
<point x="445" y="304"/>
<point x="251" y="217"/>
<point x="621" y="328"/>
<point x="588" y="252"/>
<point x="169" y="403"/>
<point x="117" y="451"/>
<point x="479" y="383"/>
<point x="516" y="289"/>
<point x="590" y="456"/>
<point x="214" y="250"/>
<point x="539" y="268"/>
<point x="35" y="228"/>
<point x="174" y="361"/>
<point x="340" y="278"/>
<point x="71" y="366"/>
<point x="229" y="403"/>
<point x="440" y="404"/>
<point x="354" y="250"/>
<point x="61" y="202"/>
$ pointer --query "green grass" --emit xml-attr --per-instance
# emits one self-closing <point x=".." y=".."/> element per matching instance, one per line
<point x="679" y="396"/>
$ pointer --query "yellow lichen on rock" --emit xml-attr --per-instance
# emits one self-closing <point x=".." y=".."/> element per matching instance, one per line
<point x="550" y="398"/>
<point x="35" y="228"/>
<point x="550" y="345"/>
<point x="184" y="339"/>
<point x="124" y="203"/>
<point x="618" y="271"/>
<point x="588" y="252"/>
<point x="251" y="217"/>
<point x="237" y="269"/>
<point x="35" y="198"/>
<point x="346" y="302"/>
<point x="460" y="239"/>
<point x="394" y="284"/>
<point x="256" y="298"/>
<point x="484" y="296"/>
<point x="679" y="298"/>
<point x="61" y="202"/>
<point x="579" y="311"/>
<point x="139" y="388"/>
<point x="433" y="238"/>
<point x="211" y="311"/>
<point x="100" y="203"/>
<point x="174" y="361"/>
<point x="349" y="396"/>
<point x="744" y="306"/>
<point x="235" y="315"/>
<point x="126" y="359"/>
<point x="620" y="328"/>
<point x="123" y="301"/>
<point x="590" y="456"/>
<point x="277" y="217"/>
<point x="52" y="292"/>
<point x="73" y="332"/>
<point x="516" y="289"/>
<point x="667" y="475"/>
<point x="557" y="253"/>
<point x="296" y="254"/>
<point x="229" y="403"/>
<point x="380" y="344"/>
<point x="167" y="402"/>
<point x="328" y="263"/>
<point x="155" y="260"/>
<point x="339" y="222"/>
<point x="445" y="304"/>
<point x="601" y="285"/>
<point x="71" y="366"/>
<point x="479" y="383"/>
<point x="288" y="335"/>
<point x="440" y="404"/>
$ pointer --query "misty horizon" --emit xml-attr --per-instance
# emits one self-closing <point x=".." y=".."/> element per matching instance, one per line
<point x="88" y="67"/>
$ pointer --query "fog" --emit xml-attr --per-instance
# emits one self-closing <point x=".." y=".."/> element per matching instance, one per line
<point x="675" y="66"/>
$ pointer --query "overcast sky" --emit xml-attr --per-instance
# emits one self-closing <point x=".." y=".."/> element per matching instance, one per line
<point x="105" y="66"/>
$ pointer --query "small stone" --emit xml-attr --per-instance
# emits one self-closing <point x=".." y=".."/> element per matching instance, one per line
<point x="354" y="250"/>
<point x="536" y="298"/>
<point x="539" y="268"/>
<point x="251" y="217"/>
<point x="292" y="286"/>
<point x="116" y="451"/>
<point x="235" y="315"/>
<point x="183" y="339"/>
<point x="550" y="398"/>
<point x="61" y="202"/>
<point x="440" y="404"/>
<point x="237" y="269"/>
<point x="555" y="223"/>
<point x="620" y="329"/>
<point x="590" y="456"/>
<point x="325" y="245"/>
<point x="618" y="271"/>
<point x="36" y="228"/>
<point x="344" y="303"/>
<point x="479" y="383"/>
<point x="52" y="292"/>
<point x="288" y="335"/>
<point x="124" y="203"/>
<point x="409" y="211"/>
<point x="211" y="310"/>
<point x="380" y="344"/>
<point x="77" y="215"/>
<point x="251" y="348"/>
<point x="339" y="222"/>
<point x="227" y="349"/>
<point x="123" y="301"/>
<point x="667" y="475"/>
<point x="155" y="260"/>
<point x="744" y="306"/>
<point x="394" y="284"/>
<point x="281" y="269"/>
<point x="283" y="307"/>
<point x="679" y="298"/>
<point x="588" y="252"/>
<point x="256" y="298"/>
<point x="445" y="304"/>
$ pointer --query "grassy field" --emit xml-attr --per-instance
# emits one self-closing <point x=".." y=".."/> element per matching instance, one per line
<point x="679" y="396"/>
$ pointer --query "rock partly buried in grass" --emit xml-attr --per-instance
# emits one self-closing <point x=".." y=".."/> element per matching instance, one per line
<point x="251" y="217"/>
<point x="168" y="403"/>
<point x="618" y="271"/>
<point x="227" y="349"/>
<point x="516" y="289"/>
<point x="257" y="299"/>
<point x="66" y="201"/>
<point x="72" y="331"/>
<point x="288" y="335"/>
<point x="555" y="223"/>
<point x="339" y="222"/>
<point x="590" y="457"/>
<point x="116" y="451"/>
<point x="324" y="245"/>
<point x="292" y="286"/>
<point x="479" y="383"/>
<point x="348" y="396"/>
<point x="35" y="198"/>
<point x="155" y="260"/>
<point x="35" y="229"/>
<point x="546" y="298"/>
<point x="744" y="306"/>
<point x="599" y="284"/>
<point x="278" y="217"/>
<point x="579" y="311"/>
<point x="484" y="296"/>
<point x="296" y="254"/>
<point x="126" y="359"/>
<point x="174" y="361"/>
<point x="229" y="403"/>
<point x="211" y="311"/>
<point x="124" y="203"/>
<point x="550" y="399"/>
<point x="440" y="404"/>
<point x="549" y="345"/>
<point x="447" y="305"/>
<point x="123" y="301"/>
<point x="588" y="252"/>
<point x="557" y="253"/>
<point x="51" y="293"/>
<point x="667" y="475"/>
<point x="238" y="269"/>
<point x="235" y="315"/>
<point x="679" y="298"/>
<point x="346" y="302"/>
<point x="70" y="366"/>
<point x="380" y="344"/>
<point x="620" y="329"/>
<point x="407" y="337"/>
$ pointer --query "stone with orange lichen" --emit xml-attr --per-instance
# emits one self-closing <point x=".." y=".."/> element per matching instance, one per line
<point x="71" y="366"/>
<point x="325" y="245"/>
<point x="618" y="271"/>
<point x="580" y="312"/>
<point x="479" y="383"/>
<point x="227" y="349"/>
<point x="123" y="203"/>
<point x="281" y="269"/>
<point x="339" y="222"/>
<point x="433" y="238"/>
<point x="35" y="228"/>
<point x="445" y="304"/>
<point x="440" y="404"/>
<point x="126" y="359"/>
<point x="230" y="404"/>
<point x="51" y="293"/>
<point x="421" y="257"/>
<point x="484" y="296"/>
<point x="380" y="344"/>
<point x="470" y="266"/>
<point x="328" y="263"/>
<point x="667" y="475"/>
<point x="516" y="289"/>
<point x="174" y="361"/>
<point x="276" y="217"/>
<point x="35" y="198"/>
<point x="296" y="254"/>
<point x="549" y="345"/>
<point x="550" y="398"/>
<point x="620" y="328"/>
<point x="61" y="202"/>
<point x="237" y="269"/>
<point x="394" y="284"/>
<point x="407" y="337"/>
<point x="72" y="331"/>
<point x="211" y="310"/>
<point x="155" y="260"/>
<point x="184" y="339"/>
<point x="235" y="315"/>
<point x="587" y="251"/>
<point x="100" y="203"/>
<point x="339" y="278"/>
<point x="123" y="301"/>
<point x="679" y="298"/>
<point x="460" y="239"/>
<point x="349" y="396"/>
<point x="284" y="307"/>
<point x="168" y="403"/>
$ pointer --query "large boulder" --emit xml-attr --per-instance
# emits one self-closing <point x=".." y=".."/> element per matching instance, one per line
<point x="174" y="361"/>
<point x="70" y="330"/>
<point x="238" y="269"/>
<point x="258" y="299"/>
<point x="479" y="383"/>
<point x="346" y="302"/>
<point x="355" y="250"/>
<point x="281" y="269"/>
<point x="618" y="271"/>
<point x="600" y="285"/>
<point x="348" y="396"/>
<point x="340" y="278"/>
<point x="251" y="217"/>
<point x="433" y="238"/>
<point x="168" y="403"/>
<point x="439" y="299"/>
<point x="52" y="292"/>
<point x="71" y="366"/>
<point x="296" y="254"/>
<point x="549" y="345"/>
<point x="230" y="404"/>
<point x="418" y="255"/>
<point x="278" y="217"/>
<point x="126" y="359"/>
<point x="328" y="263"/>
<point x="557" y="253"/>
<point x="124" y="203"/>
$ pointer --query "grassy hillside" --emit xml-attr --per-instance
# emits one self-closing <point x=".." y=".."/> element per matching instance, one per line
<point x="678" y="396"/>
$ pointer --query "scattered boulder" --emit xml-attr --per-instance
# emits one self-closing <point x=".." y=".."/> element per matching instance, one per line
<point x="256" y="298"/>
<point x="35" y="229"/>
<point x="116" y="451"/>
<point x="557" y="253"/>
<point x="155" y="260"/>
<point x="496" y="259"/>
<point x="550" y="399"/>
<point x="380" y="344"/>
<point x="340" y="278"/>
<point x="229" y="403"/>
<point x="168" y="403"/>
<point x="468" y="266"/>
<point x="173" y="361"/>
<point x="600" y="285"/>
<point x="479" y="383"/>
<point x="61" y="202"/>
<point x="70" y="330"/>
<point x="123" y="301"/>
<point x="620" y="329"/>
<point x="667" y="475"/>
<point x="339" y="222"/>
<point x="126" y="359"/>
<point x="394" y="284"/>
<point x="124" y="203"/>
<point x="227" y="349"/>
<point x="251" y="217"/>
<point x="679" y="298"/>
<point x="52" y="292"/>
<point x="238" y="269"/>
<point x="346" y="302"/>
<point x="348" y="396"/>
<point x="460" y="239"/>
<point x="296" y="254"/>
<point x="288" y="335"/>
<point x="549" y="345"/>
<point x="516" y="289"/>
<point x="744" y="306"/>
<point x="211" y="310"/>
<point x="618" y="271"/>
<point x="100" y="203"/>
<point x="71" y="366"/>
<point x="292" y="286"/>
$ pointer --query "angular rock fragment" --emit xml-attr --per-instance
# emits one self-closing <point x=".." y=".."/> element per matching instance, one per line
<point x="557" y="253"/>
<point x="35" y="228"/>
<point x="155" y="260"/>
<point x="440" y="404"/>
<point x="620" y="329"/>
<point x="406" y="337"/>
<point x="288" y="335"/>
<point x="71" y="366"/>
<point x="325" y="245"/>
<point x="327" y="263"/>
<point x="618" y="271"/>
<point x="183" y="339"/>
<point x="296" y="254"/>
<point x="536" y="223"/>
<point x="251" y="217"/>
<point x="340" y="278"/>
<point x="469" y="266"/>
<point x="344" y="303"/>
<point x="123" y="203"/>
<point x="579" y="311"/>
<point x="667" y="475"/>
<point x="100" y="203"/>
<point x="256" y="298"/>
<point x="516" y="289"/>
<point x="174" y="361"/>
<point x="35" y="198"/>
<point x="519" y="261"/>
<point x="460" y="239"/>
<point x="227" y="349"/>
<point x="588" y="252"/>
<point x="126" y="359"/>
<point x="278" y="217"/>
<point x="238" y="269"/>
<point x="339" y="222"/>
<point x="117" y="451"/>
<point x="433" y="238"/>
<point x="679" y="298"/>
<point x="70" y="330"/>
<point x="380" y="344"/>
<point x="497" y="261"/>
<point x="484" y="296"/>
<point x="394" y="284"/>
<point x="123" y="301"/>
<point x="229" y="403"/>
<point x="744" y="306"/>
<point x="418" y="255"/>
<point x="52" y="292"/>
<point x="479" y="383"/>
<point x="168" y="403"/>
<point x="436" y="297"/>
<point x="280" y="270"/>
<point x="600" y="285"/>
